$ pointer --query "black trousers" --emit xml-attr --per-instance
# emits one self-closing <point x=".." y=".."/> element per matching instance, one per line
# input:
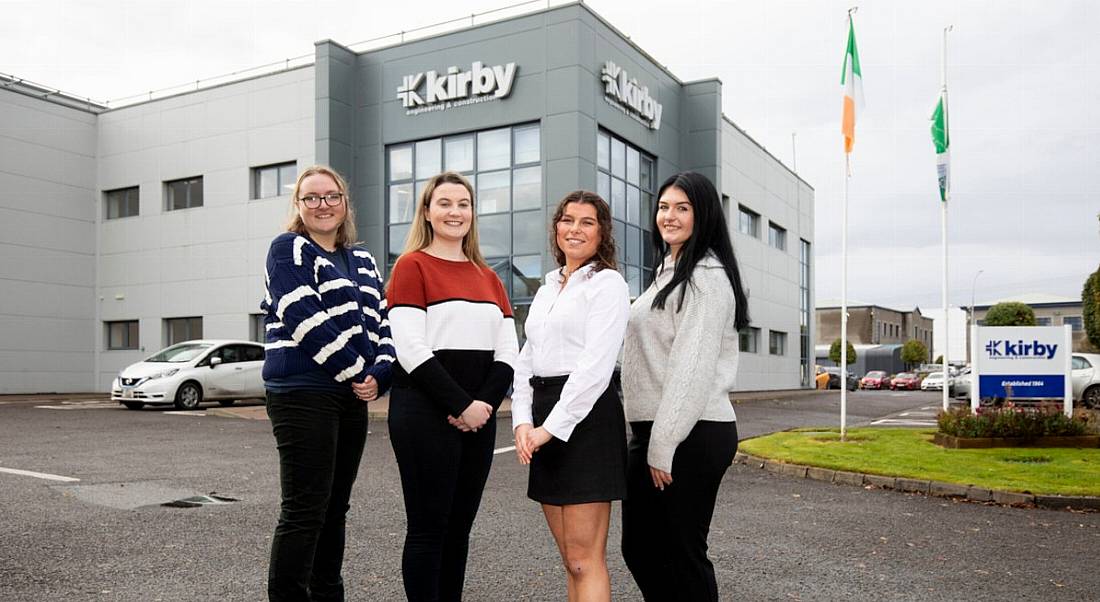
<point x="320" y="436"/>
<point x="665" y="532"/>
<point x="443" y="473"/>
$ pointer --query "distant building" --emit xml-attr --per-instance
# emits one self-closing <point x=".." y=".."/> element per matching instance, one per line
<point x="1050" y="310"/>
<point x="874" y="325"/>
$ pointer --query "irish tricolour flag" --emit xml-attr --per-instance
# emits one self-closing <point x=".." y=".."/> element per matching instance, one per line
<point x="852" y="82"/>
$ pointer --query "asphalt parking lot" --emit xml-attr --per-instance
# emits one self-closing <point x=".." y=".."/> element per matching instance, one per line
<point x="106" y="536"/>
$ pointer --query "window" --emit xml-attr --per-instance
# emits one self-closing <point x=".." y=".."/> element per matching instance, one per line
<point x="777" y="236"/>
<point x="256" y="329"/>
<point x="505" y="167"/>
<point x="1075" y="322"/>
<point x="274" y="180"/>
<point x="748" y="221"/>
<point x="777" y="343"/>
<point x="122" y="335"/>
<point x="121" y="203"/>
<point x="625" y="178"/>
<point x="184" y="194"/>
<point x="750" y="339"/>
<point x="178" y="330"/>
<point x="1043" y="321"/>
<point x="804" y="313"/>
<point x="1080" y="363"/>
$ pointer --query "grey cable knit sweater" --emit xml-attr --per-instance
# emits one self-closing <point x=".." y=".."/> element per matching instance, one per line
<point x="679" y="367"/>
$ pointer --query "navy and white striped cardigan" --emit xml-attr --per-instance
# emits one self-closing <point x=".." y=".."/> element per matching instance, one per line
<point x="314" y="316"/>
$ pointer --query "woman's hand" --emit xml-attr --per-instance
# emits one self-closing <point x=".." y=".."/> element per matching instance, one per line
<point x="537" y="438"/>
<point x="476" y="414"/>
<point x="523" y="447"/>
<point x="459" y="424"/>
<point x="661" y="479"/>
<point x="366" y="390"/>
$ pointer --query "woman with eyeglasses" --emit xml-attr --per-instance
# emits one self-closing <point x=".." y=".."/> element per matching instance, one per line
<point x="328" y="353"/>
<point x="679" y="366"/>
<point x="456" y="344"/>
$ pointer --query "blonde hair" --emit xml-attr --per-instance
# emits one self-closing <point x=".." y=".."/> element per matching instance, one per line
<point x="420" y="231"/>
<point x="345" y="234"/>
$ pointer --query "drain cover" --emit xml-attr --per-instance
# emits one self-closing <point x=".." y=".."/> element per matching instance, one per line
<point x="200" y="500"/>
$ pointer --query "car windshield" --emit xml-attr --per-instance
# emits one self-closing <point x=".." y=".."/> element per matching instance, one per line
<point x="905" y="375"/>
<point x="936" y="375"/>
<point x="876" y="374"/>
<point x="184" y="352"/>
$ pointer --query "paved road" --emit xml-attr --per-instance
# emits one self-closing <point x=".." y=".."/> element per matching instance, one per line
<point x="773" y="538"/>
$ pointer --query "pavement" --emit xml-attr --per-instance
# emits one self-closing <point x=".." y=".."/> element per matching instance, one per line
<point x="108" y="537"/>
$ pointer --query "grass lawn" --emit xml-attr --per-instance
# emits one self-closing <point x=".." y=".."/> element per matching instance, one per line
<point x="910" y="453"/>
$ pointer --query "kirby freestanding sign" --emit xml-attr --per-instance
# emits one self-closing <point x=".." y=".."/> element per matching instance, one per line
<point x="1022" y="362"/>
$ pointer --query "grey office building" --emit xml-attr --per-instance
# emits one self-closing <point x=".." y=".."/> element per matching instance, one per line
<point x="126" y="229"/>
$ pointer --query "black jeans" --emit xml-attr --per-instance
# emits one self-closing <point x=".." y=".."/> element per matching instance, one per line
<point x="665" y="532"/>
<point x="320" y="436"/>
<point x="443" y="473"/>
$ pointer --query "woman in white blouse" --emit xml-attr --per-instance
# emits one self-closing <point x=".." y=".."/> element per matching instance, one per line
<point x="566" y="412"/>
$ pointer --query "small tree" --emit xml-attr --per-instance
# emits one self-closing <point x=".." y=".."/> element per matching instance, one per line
<point x="914" y="352"/>
<point x="834" y="353"/>
<point x="1090" y="299"/>
<point x="939" y="360"/>
<point x="1010" y="313"/>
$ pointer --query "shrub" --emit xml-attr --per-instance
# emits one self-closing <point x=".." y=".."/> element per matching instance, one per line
<point x="834" y="352"/>
<point x="1010" y="313"/>
<point x="1046" y="420"/>
<point x="1090" y="300"/>
<point x="914" y="352"/>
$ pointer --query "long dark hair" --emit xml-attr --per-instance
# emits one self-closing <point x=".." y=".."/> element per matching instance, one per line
<point x="709" y="233"/>
<point x="605" y="252"/>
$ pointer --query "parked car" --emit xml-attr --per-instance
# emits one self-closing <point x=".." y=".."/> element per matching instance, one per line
<point x="821" y="377"/>
<point x="834" y="379"/>
<point x="905" y="380"/>
<point x="188" y="373"/>
<point x="875" y="379"/>
<point x="961" y="387"/>
<point x="934" y="382"/>
<point x="1086" y="379"/>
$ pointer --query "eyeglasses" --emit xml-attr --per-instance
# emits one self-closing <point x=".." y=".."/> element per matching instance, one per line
<point x="313" y="201"/>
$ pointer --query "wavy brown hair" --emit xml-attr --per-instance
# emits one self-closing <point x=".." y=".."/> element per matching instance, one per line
<point x="606" y="253"/>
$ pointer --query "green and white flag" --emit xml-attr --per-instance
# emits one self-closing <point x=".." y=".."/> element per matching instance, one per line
<point x="943" y="145"/>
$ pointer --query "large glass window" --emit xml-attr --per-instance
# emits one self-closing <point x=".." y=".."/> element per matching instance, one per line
<point x="505" y="167"/>
<point x="625" y="178"/>
<point x="183" y="194"/>
<point x="178" y="330"/>
<point x="274" y="180"/>
<point x="121" y="203"/>
<point x="122" y="335"/>
<point x="804" y="312"/>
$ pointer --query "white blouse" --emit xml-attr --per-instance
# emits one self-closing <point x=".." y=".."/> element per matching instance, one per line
<point x="576" y="331"/>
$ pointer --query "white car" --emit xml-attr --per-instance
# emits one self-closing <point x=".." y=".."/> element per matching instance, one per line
<point x="932" y="382"/>
<point x="1086" y="379"/>
<point x="188" y="373"/>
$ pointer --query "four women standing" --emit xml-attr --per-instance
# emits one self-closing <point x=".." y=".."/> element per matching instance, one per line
<point x="454" y="335"/>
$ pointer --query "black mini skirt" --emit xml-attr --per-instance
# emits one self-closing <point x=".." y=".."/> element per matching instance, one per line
<point x="591" y="466"/>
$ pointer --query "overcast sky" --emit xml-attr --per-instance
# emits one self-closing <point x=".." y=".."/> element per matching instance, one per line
<point x="1024" y="82"/>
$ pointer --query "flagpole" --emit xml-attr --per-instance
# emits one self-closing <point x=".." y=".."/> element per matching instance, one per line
<point x="843" y="371"/>
<point x="943" y="223"/>
<point x="844" y="303"/>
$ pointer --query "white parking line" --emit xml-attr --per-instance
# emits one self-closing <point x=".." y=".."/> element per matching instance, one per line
<point x="39" y="475"/>
<point x="895" y="422"/>
<point x="185" y="413"/>
<point x="504" y="450"/>
<point x="78" y="407"/>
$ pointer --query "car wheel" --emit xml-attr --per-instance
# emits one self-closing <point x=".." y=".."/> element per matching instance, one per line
<point x="189" y="396"/>
<point x="225" y="403"/>
<point x="1091" y="397"/>
<point x="133" y="405"/>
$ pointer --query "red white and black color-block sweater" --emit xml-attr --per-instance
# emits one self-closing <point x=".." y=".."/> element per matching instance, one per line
<point x="453" y="331"/>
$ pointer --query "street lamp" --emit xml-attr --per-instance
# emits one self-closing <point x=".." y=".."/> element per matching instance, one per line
<point x="970" y="315"/>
